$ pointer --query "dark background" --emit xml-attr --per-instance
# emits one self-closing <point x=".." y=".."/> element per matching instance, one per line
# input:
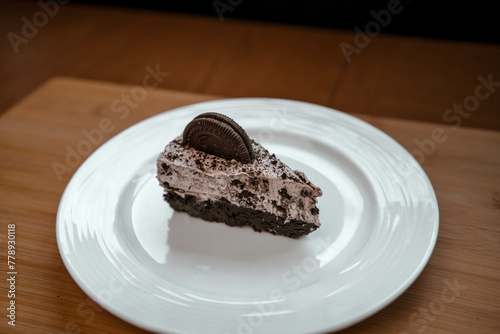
<point x="475" y="21"/>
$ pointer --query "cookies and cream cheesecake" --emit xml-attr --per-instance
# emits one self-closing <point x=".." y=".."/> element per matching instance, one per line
<point x="214" y="171"/>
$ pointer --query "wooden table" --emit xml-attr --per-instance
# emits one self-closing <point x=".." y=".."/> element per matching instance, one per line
<point x="387" y="75"/>
<point x="456" y="293"/>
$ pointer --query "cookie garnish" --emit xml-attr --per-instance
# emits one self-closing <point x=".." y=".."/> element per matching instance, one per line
<point x="219" y="135"/>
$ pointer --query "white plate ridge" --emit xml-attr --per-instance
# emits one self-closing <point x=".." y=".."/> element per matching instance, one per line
<point x="167" y="272"/>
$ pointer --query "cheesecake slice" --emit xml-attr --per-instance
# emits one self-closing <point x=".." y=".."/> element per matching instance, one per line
<point x="214" y="171"/>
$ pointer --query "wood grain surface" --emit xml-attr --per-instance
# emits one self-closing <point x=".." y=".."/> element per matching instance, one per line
<point x="396" y="76"/>
<point x="456" y="293"/>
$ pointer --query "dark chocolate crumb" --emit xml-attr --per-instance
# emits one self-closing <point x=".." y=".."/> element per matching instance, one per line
<point x="199" y="164"/>
<point x="273" y="202"/>
<point x="305" y="193"/>
<point x="274" y="162"/>
<point x="254" y="182"/>
<point x="283" y="192"/>
<point x="280" y="208"/>
<point x="235" y="182"/>
<point x="245" y="194"/>
<point x="167" y="186"/>
<point x="315" y="211"/>
<point x="301" y="176"/>
<point x="166" y="169"/>
<point x="265" y="185"/>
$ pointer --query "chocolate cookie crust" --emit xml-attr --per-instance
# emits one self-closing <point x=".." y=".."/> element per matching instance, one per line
<point x="224" y="212"/>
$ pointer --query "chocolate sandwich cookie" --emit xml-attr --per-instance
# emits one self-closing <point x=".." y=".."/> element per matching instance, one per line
<point x="219" y="135"/>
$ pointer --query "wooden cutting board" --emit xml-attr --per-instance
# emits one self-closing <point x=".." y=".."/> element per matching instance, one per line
<point x="456" y="293"/>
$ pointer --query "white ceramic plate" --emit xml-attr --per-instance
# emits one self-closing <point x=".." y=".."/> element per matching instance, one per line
<point x="167" y="272"/>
